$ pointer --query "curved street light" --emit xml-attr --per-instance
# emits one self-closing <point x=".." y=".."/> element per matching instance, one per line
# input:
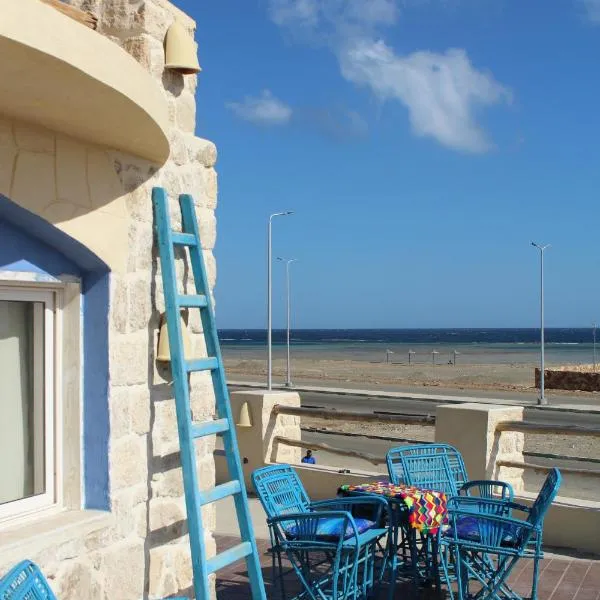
<point x="542" y="398"/>
<point x="288" y="262"/>
<point x="269" y="293"/>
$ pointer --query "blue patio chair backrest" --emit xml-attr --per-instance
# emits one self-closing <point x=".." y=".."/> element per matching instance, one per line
<point x="280" y="490"/>
<point x="434" y="466"/>
<point x="545" y="497"/>
<point x="25" y="582"/>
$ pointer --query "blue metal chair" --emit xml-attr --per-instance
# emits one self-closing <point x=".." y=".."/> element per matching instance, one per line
<point x="332" y="552"/>
<point x="440" y="467"/>
<point x="483" y="544"/>
<point x="25" y="582"/>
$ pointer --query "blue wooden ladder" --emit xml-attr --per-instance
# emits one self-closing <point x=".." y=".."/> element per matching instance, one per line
<point x="223" y="423"/>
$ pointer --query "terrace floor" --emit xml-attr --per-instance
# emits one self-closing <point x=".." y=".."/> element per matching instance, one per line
<point x="561" y="578"/>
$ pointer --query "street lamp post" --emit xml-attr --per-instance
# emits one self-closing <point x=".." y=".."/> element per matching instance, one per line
<point x="269" y="293"/>
<point x="542" y="398"/>
<point x="288" y="262"/>
<point x="594" y="325"/>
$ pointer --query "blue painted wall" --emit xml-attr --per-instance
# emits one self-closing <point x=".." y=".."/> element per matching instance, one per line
<point x="29" y="243"/>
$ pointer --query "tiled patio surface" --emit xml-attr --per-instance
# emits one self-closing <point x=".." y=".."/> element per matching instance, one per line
<point x="561" y="578"/>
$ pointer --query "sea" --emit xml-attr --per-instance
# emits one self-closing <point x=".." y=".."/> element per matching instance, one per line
<point x="467" y="346"/>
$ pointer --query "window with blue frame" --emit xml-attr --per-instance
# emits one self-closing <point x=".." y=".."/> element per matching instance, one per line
<point x="52" y="289"/>
<point x="29" y="443"/>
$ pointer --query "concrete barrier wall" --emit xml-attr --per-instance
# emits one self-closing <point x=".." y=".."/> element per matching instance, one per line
<point x="571" y="523"/>
<point x="569" y="380"/>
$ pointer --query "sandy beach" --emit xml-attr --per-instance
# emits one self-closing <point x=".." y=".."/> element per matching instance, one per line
<point x="497" y="376"/>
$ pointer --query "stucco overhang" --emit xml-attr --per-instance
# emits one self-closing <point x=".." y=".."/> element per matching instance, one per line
<point x="59" y="74"/>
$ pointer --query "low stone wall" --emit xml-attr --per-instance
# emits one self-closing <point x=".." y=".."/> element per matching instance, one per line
<point x="569" y="380"/>
<point x="257" y="440"/>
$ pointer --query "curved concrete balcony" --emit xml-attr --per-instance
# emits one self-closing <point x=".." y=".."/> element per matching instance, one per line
<point x="61" y="75"/>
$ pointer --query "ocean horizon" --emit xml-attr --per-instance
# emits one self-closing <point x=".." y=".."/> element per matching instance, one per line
<point x="444" y="335"/>
<point x="564" y="345"/>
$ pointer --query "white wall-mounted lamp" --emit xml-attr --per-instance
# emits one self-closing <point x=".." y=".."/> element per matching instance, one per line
<point x="163" y="352"/>
<point x="244" y="419"/>
<point x="181" y="54"/>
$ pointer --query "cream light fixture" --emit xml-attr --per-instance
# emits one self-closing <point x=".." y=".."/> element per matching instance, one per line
<point x="163" y="353"/>
<point x="244" y="420"/>
<point x="181" y="54"/>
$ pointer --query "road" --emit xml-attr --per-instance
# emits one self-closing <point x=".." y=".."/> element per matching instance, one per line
<point x="554" y="397"/>
<point x="424" y="407"/>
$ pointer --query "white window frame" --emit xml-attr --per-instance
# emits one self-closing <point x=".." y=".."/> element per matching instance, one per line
<point x="48" y="392"/>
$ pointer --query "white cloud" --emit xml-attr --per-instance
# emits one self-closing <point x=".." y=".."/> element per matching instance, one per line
<point x="592" y="8"/>
<point x="265" y="109"/>
<point x="443" y="92"/>
<point x="328" y="20"/>
<point x="300" y="13"/>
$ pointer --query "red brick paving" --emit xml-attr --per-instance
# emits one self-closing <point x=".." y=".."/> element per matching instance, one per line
<point x="560" y="578"/>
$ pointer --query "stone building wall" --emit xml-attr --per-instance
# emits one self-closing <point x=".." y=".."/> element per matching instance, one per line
<point x="102" y="198"/>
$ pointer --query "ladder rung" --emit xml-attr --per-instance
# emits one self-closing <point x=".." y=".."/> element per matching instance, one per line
<point x="192" y="301"/>
<point x="183" y="239"/>
<point x="209" y="428"/>
<point x="202" y="364"/>
<point x="221" y="491"/>
<point x="229" y="556"/>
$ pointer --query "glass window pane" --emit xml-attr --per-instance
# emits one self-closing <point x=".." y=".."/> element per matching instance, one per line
<point x="21" y="400"/>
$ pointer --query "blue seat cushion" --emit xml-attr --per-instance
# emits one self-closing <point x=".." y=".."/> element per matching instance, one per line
<point x="468" y="529"/>
<point x="329" y="529"/>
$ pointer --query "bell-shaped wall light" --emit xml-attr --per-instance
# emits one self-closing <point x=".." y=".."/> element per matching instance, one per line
<point x="181" y="54"/>
<point x="163" y="353"/>
<point x="244" y="419"/>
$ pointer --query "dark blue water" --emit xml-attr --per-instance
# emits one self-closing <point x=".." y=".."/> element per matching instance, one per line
<point x="409" y="336"/>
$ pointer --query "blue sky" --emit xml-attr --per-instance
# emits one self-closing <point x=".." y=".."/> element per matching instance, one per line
<point x="422" y="145"/>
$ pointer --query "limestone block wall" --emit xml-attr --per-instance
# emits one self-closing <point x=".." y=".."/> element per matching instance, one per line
<point x="473" y="429"/>
<point x="256" y="442"/>
<point x="102" y="198"/>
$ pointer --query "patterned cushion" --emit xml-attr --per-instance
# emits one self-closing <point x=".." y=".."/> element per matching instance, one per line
<point x="468" y="529"/>
<point x="329" y="529"/>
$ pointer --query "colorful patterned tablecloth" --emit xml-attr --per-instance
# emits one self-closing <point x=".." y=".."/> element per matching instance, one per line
<point x="427" y="509"/>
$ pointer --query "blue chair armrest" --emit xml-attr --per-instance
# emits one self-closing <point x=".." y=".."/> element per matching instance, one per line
<point x="486" y="483"/>
<point x="306" y="532"/>
<point x="379" y="505"/>
<point x="362" y="499"/>
<point x="484" y="505"/>
<point x="493" y="528"/>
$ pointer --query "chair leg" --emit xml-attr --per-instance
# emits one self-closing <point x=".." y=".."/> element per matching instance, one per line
<point x="435" y="563"/>
<point x="534" y="583"/>
<point x="414" y="558"/>
<point x="278" y="568"/>
<point x="462" y="576"/>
